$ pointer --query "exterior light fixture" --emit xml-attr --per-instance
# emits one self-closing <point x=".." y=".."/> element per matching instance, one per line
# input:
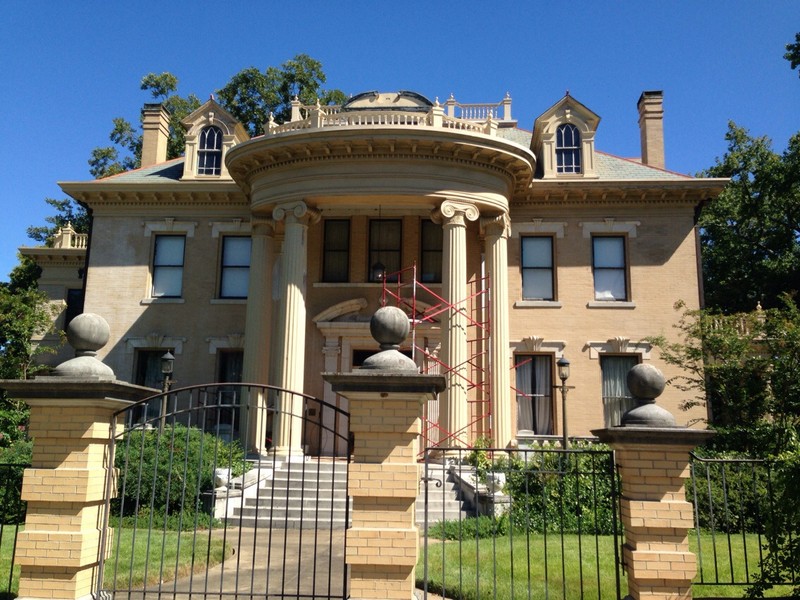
<point x="563" y="375"/>
<point x="167" y="367"/>
<point x="378" y="271"/>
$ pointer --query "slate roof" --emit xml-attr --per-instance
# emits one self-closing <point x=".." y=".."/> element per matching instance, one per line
<point x="607" y="166"/>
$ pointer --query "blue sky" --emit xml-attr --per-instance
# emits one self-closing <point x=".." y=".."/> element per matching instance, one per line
<point x="69" y="68"/>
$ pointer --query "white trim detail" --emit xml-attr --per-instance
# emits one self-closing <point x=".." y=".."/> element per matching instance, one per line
<point x="537" y="304"/>
<point x="609" y="225"/>
<point x="538" y="226"/>
<point x="169" y="225"/>
<point x="535" y="343"/>
<point x="154" y="340"/>
<point x="232" y="226"/>
<point x="619" y="345"/>
<point x="232" y="340"/>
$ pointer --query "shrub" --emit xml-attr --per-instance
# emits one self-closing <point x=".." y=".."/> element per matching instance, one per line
<point x="470" y="528"/>
<point x="169" y="473"/>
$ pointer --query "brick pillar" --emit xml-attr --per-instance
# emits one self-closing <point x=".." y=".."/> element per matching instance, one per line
<point x="654" y="465"/>
<point x="70" y="422"/>
<point x="652" y="455"/>
<point x="386" y="399"/>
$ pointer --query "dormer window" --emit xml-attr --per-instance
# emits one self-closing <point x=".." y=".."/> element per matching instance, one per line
<point x="568" y="149"/>
<point x="209" y="153"/>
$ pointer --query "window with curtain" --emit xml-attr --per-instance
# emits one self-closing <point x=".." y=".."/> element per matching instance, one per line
<point x="430" y="260"/>
<point x="235" y="269"/>
<point x="537" y="268"/>
<point x="617" y="399"/>
<point x="209" y="152"/>
<point x="168" y="266"/>
<point x="385" y="241"/>
<point x="609" y="268"/>
<point x="535" y="393"/>
<point x="336" y="250"/>
<point x="568" y="149"/>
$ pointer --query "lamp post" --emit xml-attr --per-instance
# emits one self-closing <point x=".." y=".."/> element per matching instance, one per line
<point x="167" y="366"/>
<point x="563" y="375"/>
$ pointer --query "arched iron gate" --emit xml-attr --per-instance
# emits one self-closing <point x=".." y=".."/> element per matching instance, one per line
<point x="192" y="512"/>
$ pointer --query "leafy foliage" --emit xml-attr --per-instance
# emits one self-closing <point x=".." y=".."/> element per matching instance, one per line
<point x="169" y="473"/>
<point x="12" y="507"/>
<point x="750" y="234"/>
<point x="471" y="528"/>
<point x="252" y="95"/>
<point x="793" y="52"/>
<point x="745" y="368"/>
<point x="67" y="211"/>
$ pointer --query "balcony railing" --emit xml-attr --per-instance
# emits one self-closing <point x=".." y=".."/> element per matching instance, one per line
<point x="67" y="237"/>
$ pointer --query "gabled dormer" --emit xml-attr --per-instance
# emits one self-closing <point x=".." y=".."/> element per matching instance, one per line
<point x="210" y="132"/>
<point x="563" y="141"/>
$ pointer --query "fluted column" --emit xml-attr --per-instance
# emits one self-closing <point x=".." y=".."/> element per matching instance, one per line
<point x="258" y="327"/>
<point x="290" y="339"/>
<point x="496" y="232"/>
<point x="453" y="411"/>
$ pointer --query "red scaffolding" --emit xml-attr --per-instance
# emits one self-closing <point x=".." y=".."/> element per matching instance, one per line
<point x="425" y="306"/>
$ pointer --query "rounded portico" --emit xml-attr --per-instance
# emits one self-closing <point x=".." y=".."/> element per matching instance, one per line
<point x="398" y="154"/>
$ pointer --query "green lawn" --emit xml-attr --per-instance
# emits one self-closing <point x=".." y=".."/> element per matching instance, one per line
<point x="123" y="571"/>
<point x="504" y="568"/>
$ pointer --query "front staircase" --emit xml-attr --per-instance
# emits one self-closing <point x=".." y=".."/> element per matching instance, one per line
<point x="312" y="495"/>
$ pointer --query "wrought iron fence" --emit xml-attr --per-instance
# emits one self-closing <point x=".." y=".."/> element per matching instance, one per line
<point x="734" y="509"/>
<point x="12" y="517"/>
<point x="528" y="523"/>
<point x="194" y="513"/>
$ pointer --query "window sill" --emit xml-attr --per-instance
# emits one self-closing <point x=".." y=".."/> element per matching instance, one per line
<point x="229" y="301"/>
<point x="162" y="301"/>
<point x="537" y="304"/>
<point x="610" y="304"/>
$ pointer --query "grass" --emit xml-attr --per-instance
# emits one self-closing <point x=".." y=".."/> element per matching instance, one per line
<point x="133" y="564"/>
<point x="514" y="567"/>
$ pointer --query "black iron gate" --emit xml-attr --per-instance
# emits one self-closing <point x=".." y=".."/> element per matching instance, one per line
<point x="196" y="512"/>
<point x="527" y="523"/>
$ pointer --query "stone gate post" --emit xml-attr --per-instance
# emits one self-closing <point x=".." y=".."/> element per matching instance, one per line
<point x="652" y="454"/>
<point x="65" y="487"/>
<point x="386" y="398"/>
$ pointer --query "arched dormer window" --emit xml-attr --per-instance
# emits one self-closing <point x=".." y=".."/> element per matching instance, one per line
<point x="568" y="149"/>
<point x="209" y="152"/>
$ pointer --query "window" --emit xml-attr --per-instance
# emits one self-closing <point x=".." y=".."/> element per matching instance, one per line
<point x="534" y="393"/>
<point x="336" y="250"/>
<point x="385" y="237"/>
<point x="74" y="305"/>
<point x="235" y="267"/>
<point x="168" y="266"/>
<point x="223" y="419"/>
<point x="430" y="259"/>
<point x="617" y="399"/>
<point x="537" y="268"/>
<point x="610" y="270"/>
<point x="147" y="372"/>
<point x="568" y="149"/>
<point x="209" y="154"/>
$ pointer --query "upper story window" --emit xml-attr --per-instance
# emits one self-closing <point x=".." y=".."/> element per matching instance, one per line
<point x="538" y="272"/>
<point x="385" y="243"/>
<point x="610" y="268"/>
<point x="336" y="250"/>
<point x="568" y="149"/>
<point x="209" y="151"/>
<point x="430" y="258"/>
<point x="168" y="266"/>
<point x="235" y="267"/>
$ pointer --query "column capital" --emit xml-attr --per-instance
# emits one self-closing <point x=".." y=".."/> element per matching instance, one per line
<point x="455" y="212"/>
<point x="298" y="211"/>
<point x="496" y="225"/>
<point x="262" y="226"/>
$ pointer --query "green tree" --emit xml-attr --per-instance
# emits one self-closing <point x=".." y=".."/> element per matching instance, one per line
<point x="750" y="234"/>
<point x="793" y="53"/>
<point x="67" y="211"/>
<point x="252" y="95"/>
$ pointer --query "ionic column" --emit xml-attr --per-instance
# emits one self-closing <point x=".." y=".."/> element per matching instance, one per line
<point x="496" y="232"/>
<point x="258" y="327"/>
<point x="453" y="411"/>
<point x="290" y="338"/>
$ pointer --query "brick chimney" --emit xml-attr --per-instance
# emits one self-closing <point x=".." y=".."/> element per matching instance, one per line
<point x="155" y="126"/>
<point x="651" y="127"/>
